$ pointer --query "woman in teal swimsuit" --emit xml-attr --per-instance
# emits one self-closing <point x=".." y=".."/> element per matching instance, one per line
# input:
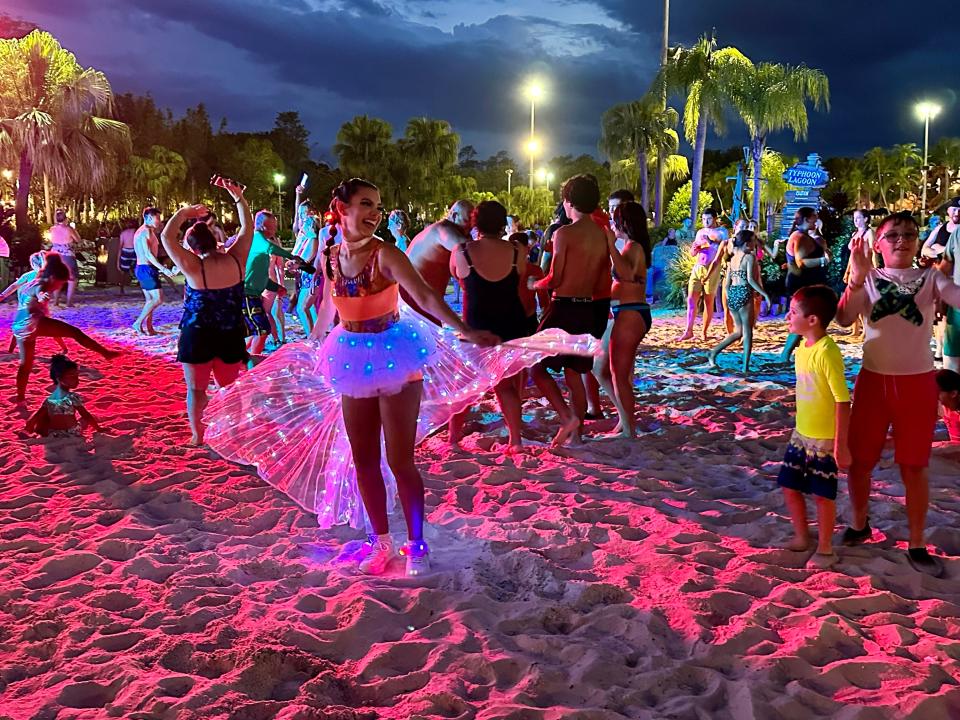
<point x="740" y="283"/>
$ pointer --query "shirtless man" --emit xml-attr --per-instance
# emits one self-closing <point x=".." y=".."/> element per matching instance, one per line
<point x="63" y="240"/>
<point x="430" y="250"/>
<point x="580" y="261"/>
<point x="705" y="278"/>
<point x="127" y="256"/>
<point x="147" y="244"/>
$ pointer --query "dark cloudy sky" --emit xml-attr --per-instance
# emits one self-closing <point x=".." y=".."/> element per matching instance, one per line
<point x="464" y="60"/>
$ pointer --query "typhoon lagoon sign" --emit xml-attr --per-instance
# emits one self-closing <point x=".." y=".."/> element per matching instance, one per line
<point x="806" y="179"/>
<point x="808" y="174"/>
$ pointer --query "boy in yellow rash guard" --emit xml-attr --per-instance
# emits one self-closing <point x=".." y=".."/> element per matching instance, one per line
<point x="819" y="442"/>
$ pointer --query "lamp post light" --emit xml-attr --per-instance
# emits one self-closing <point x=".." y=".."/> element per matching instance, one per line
<point x="533" y="148"/>
<point x="509" y="191"/>
<point x="279" y="180"/>
<point x="545" y="176"/>
<point x="534" y="91"/>
<point x="926" y="111"/>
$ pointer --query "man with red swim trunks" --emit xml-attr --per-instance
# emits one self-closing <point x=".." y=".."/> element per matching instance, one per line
<point x="897" y="384"/>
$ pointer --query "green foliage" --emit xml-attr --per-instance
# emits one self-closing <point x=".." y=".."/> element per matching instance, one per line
<point x="679" y="206"/>
<point x="532" y="207"/>
<point x="428" y="150"/>
<point x="839" y="253"/>
<point x="770" y="97"/>
<point x="639" y="130"/>
<point x="363" y="148"/>
<point x="254" y="163"/>
<point x="491" y="174"/>
<point x="565" y="167"/>
<point x="291" y="142"/>
<point x="678" y="275"/>
<point x="56" y="118"/>
<point x="157" y="173"/>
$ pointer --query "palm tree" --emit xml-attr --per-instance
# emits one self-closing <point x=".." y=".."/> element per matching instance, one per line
<point x="55" y="118"/>
<point x="624" y="173"/>
<point x="159" y="172"/>
<point x="905" y="162"/>
<point x="662" y="93"/>
<point x="853" y="180"/>
<point x="703" y="74"/>
<point x="773" y="188"/>
<point x="947" y="153"/>
<point x="638" y="130"/>
<point x="770" y="97"/>
<point x="431" y="147"/>
<point x="362" y="147"/>
<point x="878" y="162"/>
<point x="665" y="142"/>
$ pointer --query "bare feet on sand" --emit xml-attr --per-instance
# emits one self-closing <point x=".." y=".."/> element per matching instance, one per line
<point x="513" y="449"/>
<point x="798" y="544"/>
<point x="568" y="428"/>
<point x="687" y="335"/>
<point x="822" y="560"/>
<point x="619" y="434"/>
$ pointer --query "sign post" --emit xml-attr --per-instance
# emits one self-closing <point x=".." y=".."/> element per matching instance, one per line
<point x="806" y="180"/>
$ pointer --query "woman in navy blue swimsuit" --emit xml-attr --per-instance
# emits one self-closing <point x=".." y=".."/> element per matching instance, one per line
<point x="212" y="328"/>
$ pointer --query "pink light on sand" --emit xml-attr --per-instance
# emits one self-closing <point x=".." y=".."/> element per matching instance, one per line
<point x="139" y="577"/>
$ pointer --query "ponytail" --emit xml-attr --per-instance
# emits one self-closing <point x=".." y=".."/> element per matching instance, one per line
<point x="331" y="222"/>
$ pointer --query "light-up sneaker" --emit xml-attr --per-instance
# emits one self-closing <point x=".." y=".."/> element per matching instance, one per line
<point x="378" y="556"/>
<point x="418" y="558"/>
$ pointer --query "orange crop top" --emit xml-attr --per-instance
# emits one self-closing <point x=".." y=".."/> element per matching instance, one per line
<point x="368" y="301"/>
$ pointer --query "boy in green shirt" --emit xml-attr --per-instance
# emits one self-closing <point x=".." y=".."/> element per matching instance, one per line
<point x="819" y="441"/>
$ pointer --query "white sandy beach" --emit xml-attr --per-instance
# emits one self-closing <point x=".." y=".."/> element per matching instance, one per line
<point x="146" y="580"/>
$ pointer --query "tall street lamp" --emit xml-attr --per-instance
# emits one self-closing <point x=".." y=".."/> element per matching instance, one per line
<point x="534" y="91"/>
<point x="533" y="149"/>
<point x="279" y="180"/>
<point x="509" y="176"/>
<point x="926" y="111"/>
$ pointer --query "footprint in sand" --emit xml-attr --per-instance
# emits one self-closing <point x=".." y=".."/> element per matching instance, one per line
<point x="62" y="568"/>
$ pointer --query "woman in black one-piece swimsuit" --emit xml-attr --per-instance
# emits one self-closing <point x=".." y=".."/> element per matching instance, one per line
<point x="493" y="305"/>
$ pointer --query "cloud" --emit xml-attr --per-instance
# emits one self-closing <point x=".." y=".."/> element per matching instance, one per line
<point x="465" y="61"/>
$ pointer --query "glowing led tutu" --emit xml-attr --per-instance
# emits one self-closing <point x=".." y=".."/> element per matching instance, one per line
<point x="369" y="364"/>
<point x="284" y="417"/>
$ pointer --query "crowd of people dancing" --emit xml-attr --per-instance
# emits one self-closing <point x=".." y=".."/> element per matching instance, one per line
<point x="387" y="361"/>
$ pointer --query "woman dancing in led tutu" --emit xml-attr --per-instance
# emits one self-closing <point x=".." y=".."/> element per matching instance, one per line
<point x="304" y="413"/>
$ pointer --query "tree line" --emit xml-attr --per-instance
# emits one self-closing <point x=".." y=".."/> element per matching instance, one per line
<point x="66" y="139"/>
